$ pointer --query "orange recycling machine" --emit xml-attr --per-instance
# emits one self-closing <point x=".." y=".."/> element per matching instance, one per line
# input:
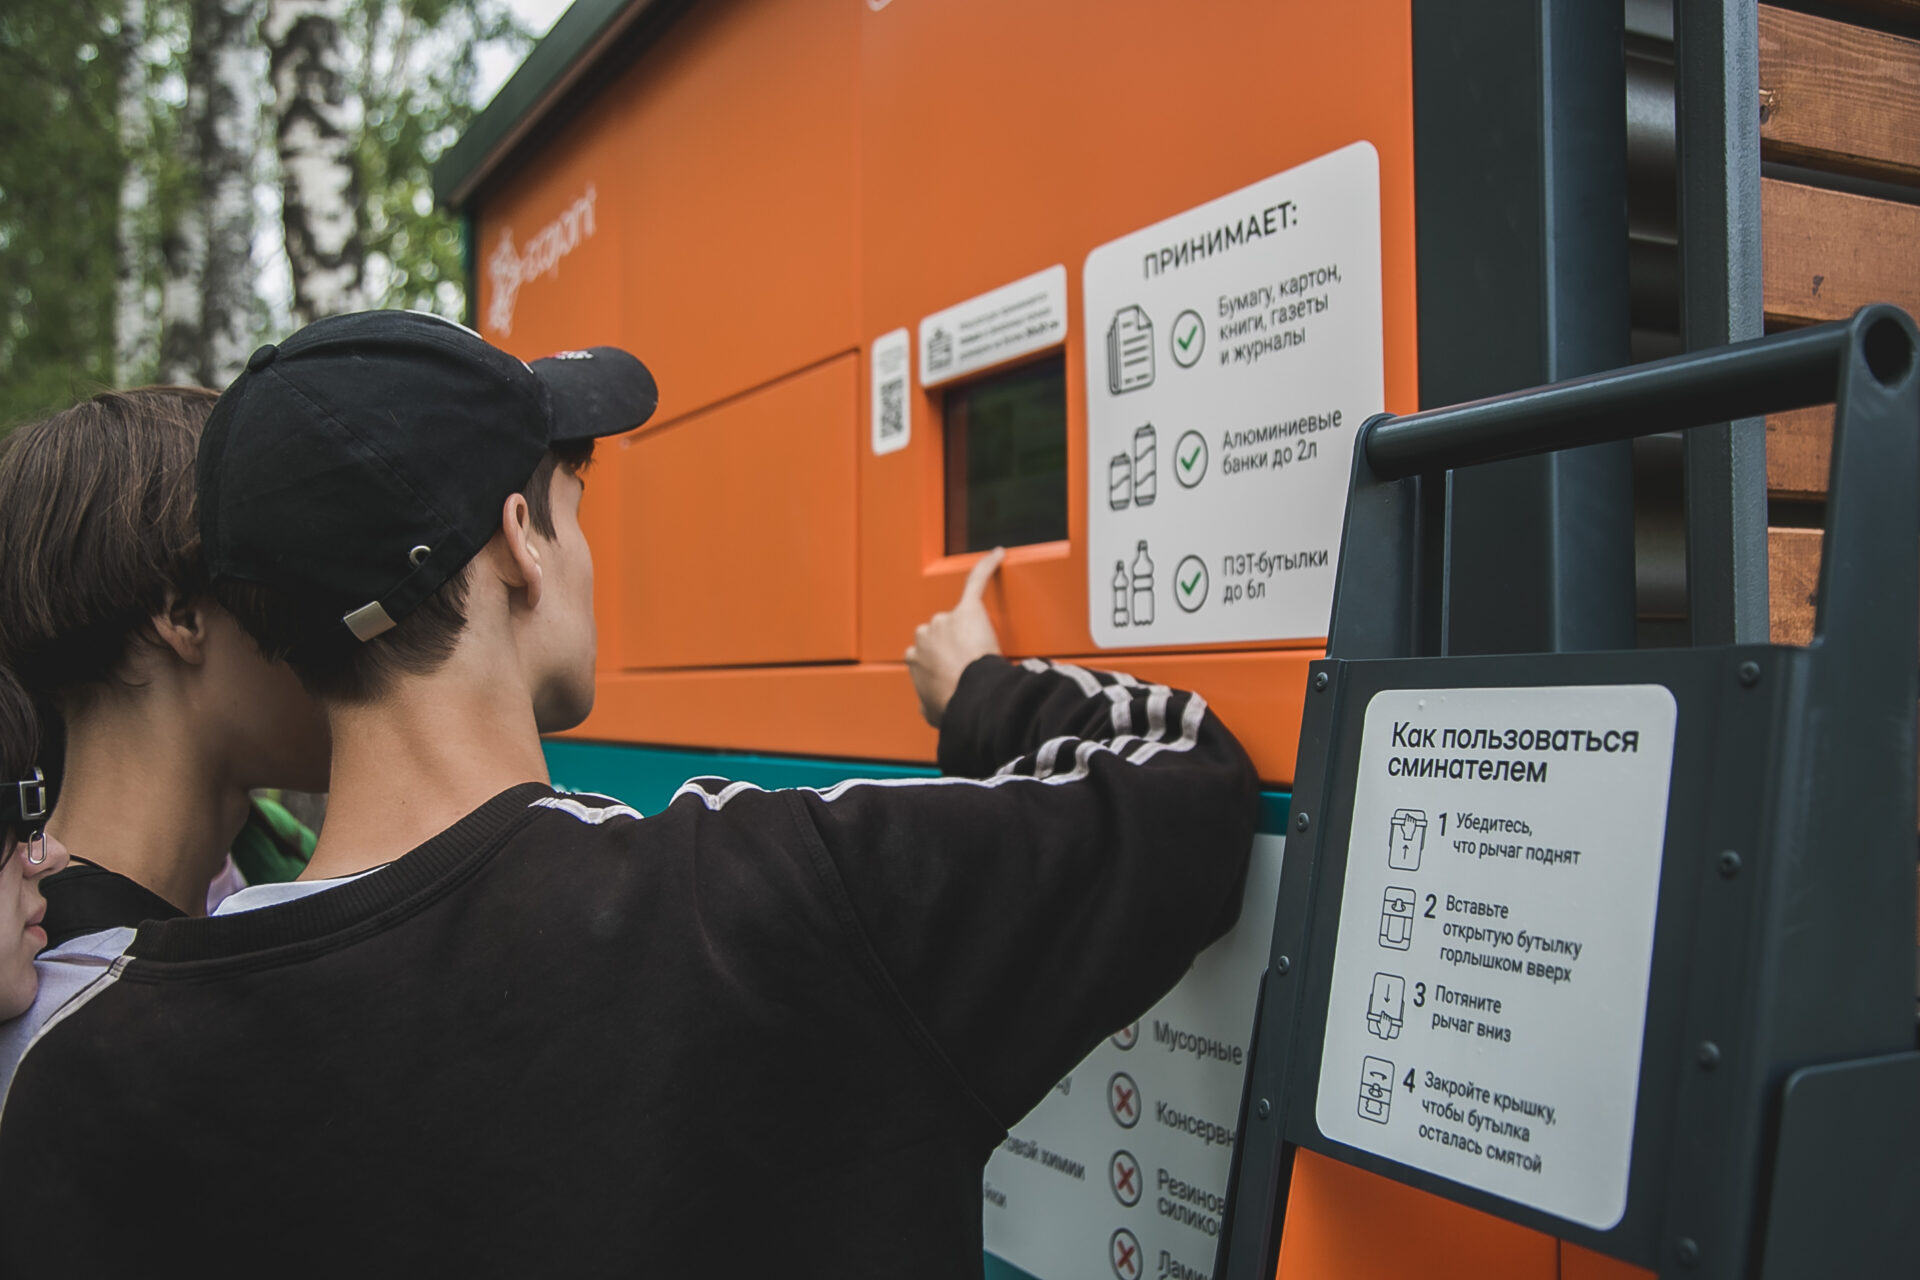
<point x="749" y="193"/>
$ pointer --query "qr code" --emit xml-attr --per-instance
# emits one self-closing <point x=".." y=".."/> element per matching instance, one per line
<point x="893" y="408"/>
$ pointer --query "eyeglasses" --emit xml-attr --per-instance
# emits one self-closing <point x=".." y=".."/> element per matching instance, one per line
<point x="23" y="815"/>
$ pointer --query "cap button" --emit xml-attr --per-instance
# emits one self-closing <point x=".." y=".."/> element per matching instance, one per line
<point x="262" y="358"/>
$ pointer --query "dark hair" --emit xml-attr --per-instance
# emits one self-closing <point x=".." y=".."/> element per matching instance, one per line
<point x="96" y="526"/>
<point x="19" y="743"/>
<point x="333" y="665"/>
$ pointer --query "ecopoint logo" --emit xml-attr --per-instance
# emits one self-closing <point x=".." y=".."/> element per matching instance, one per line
<point x="509" y="268"/>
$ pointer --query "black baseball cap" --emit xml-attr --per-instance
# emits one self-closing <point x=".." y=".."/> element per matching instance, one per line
<point x="360" y="464"/>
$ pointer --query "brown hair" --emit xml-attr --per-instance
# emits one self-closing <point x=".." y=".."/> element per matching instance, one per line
<point x="19" y="743"/>
<point x="96" y="526"/>
<point x="333" y="665"/>
<point x="19" y="730"/>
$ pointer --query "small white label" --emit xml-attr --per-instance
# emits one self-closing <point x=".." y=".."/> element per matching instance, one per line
<point x="892" y="403"/>
<point x="1490" y="974"/>
<point x="1122" y="1170"/>
<point x="1015" y="319"/>
<point x="1232" y="352"/>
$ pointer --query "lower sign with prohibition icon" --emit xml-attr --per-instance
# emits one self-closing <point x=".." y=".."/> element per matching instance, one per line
<point x="1123" y="1169"/>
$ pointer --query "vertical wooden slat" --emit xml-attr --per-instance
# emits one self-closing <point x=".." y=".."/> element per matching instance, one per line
<point x="1793" y="567"/>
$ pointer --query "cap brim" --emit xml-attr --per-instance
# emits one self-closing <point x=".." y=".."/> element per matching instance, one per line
<point x="601" y="391"/>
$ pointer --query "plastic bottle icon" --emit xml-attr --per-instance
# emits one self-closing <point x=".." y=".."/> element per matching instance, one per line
<point x="1145" y="465"/>
<point x="1122" y="585"/>
<point x="1142" y="587"/>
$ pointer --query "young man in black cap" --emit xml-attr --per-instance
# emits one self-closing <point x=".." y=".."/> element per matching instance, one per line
<point x="512" y="1030"/>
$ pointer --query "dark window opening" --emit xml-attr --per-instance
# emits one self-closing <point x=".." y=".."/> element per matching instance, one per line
<point x="1007" y="457"/>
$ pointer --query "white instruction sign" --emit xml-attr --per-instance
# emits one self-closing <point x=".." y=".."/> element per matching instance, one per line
<point x="1496" y="936"/>
<point x="1232" y="353"/>
<point x="892" y="407"/>
<point x="1122" y="1171"/>
<point x="1011" y="321"/>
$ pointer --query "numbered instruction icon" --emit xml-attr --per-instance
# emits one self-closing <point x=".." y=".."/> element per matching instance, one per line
<point x="1406" y="839"/>
<point x="1376" y="1089"/>
<point x="1387" y="1005"/>
<point x="1396" y="918"/>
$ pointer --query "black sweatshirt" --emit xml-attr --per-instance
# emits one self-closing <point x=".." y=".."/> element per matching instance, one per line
<point x="760" y="1029"/>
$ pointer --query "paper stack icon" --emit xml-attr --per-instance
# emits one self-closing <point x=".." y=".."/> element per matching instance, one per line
<point x="1129" y="351"/>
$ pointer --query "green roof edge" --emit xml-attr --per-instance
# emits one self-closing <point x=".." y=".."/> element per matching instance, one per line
<point x="532" y="90"/>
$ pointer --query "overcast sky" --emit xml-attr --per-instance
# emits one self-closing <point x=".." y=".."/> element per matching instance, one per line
<point x="495" y="64"/>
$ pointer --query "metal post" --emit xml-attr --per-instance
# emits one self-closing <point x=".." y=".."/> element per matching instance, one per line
<point x="1716" y="92"/>
<point x="1520" y="186"/>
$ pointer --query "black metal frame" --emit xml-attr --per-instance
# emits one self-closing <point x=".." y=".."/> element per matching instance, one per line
<point x="1520" y="190"/>
<point x="1716" y="47"/>
<point x="1781" y="1000"/>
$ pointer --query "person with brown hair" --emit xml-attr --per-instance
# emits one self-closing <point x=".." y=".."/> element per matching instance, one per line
<point x="171" y="713"/>
<point x="28" y="855"/>
<point x="504" y="1029"/>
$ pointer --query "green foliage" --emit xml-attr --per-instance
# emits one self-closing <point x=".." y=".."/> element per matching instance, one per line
<point x="59" y="200"/>
<point x="414" y="64"/>
<point x="418" y="66"/>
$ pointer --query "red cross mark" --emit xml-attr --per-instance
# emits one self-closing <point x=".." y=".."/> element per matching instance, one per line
<point x="1123" y="1099"/>
<point x="1127" y="1036"/>
<point x="1124" y="1252"/>
<point x="1123" y="1175"/>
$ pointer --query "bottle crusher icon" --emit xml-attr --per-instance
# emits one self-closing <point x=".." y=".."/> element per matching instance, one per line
<point x="1133" y="478"/>
<point x="1406" y="839"/>
<point x="1376" y="1089"/>
<point x="1129" y="351"/>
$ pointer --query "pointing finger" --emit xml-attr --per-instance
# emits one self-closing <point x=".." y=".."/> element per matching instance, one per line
<point x="981" y="575"/>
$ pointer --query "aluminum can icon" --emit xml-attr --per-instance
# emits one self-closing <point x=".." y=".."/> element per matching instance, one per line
<point x="1146" y="462"/>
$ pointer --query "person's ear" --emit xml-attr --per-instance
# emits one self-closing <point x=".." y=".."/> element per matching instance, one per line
<point x="521" y="568"/>
<point x="181" y="626"/>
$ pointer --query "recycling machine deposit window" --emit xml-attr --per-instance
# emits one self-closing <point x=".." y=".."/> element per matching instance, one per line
<point x="1006" y="440"/>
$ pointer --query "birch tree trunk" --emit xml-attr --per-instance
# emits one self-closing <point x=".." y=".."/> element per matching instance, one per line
<point x="230" y="138"/>
<point x="135" y="327"/>
<point x="209" y="300"/>
<point x="316" y="119"/>
<point x="183" y="236"/>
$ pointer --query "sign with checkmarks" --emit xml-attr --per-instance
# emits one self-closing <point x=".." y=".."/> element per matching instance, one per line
<point x="1246" y="332"/>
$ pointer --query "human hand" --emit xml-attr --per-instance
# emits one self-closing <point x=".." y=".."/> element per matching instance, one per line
<point x="948" y="643"/>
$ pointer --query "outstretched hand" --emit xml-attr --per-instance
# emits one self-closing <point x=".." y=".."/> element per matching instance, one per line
<point x="948" y="643"/>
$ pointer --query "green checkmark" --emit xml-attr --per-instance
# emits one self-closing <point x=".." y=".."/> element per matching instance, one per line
<point x="1191" y="583"/>
<point x="1187" y="462"/>
<point x="1188" y="340"/>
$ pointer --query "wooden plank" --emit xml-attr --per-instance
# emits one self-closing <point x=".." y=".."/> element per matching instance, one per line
<point x="1826" y="253"/>
<point x="1904" y="14"/>
<point x="1840" y="97"/>
<point x="1799" y="449"/>
<point x="1793" y="573"/>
